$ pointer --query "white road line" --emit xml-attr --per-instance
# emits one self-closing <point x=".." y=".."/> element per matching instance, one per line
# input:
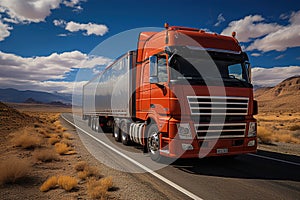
<point x="174" y="185"/>
<point x="274" y="159"/>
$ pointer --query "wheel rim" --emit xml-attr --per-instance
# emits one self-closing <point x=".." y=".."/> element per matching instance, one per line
<point x="123" y="131"/>
<point x="153" y="143"/>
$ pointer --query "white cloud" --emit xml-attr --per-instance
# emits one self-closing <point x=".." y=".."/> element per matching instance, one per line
<point x="4" y="30"/>
<point x="255" y="54"/>
<point x="250" y="27"/>
<point x="60" y="22"/>
<point x="267" y="77"/>
<point x="90" y="28"/>
<point x="34" y="73"/>
<point x="74" y="4"/>
<point x="220" y="19"/>
<point x="280" y="40"/>
<point x="29" y="10"/>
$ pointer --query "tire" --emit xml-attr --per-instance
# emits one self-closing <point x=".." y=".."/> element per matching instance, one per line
<point x="153" y="143"/>
<point x="117" y="133"/>
<point x="89" y="121"/>
<point x="124" y="134"/>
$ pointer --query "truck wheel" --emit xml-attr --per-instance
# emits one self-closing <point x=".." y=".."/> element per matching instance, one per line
<point x="124" y="134"/>
<point x="117" y="134"/>
<point x="89" y="121"/>
<point x="153" y="143"/>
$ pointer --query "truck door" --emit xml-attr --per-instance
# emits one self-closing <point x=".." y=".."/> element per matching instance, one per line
<point x="159" y="101"/>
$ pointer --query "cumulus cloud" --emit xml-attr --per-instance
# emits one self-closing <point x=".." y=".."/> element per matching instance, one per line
<point x="220" y="19"/>
<point x="250" y="27"/>
<point x="281" y="39"/>
<point x="90" y="28"/>
<point x="4" y="30"/>
<point x="29" y="10"/>
<point x="267" y="77"/>
<point x="74" y="4"/>
<point x="37" y="72"/>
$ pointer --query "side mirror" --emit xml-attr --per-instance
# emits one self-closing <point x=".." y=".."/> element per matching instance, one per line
<point x="153" y="69"/>
<point x="248" y="66"/>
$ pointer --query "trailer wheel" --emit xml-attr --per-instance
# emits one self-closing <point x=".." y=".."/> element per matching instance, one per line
<point x="124" y="134"/>
<point x="153" y="143"/>
<point x="117" y="133"/>
<point x="89" y="121"/>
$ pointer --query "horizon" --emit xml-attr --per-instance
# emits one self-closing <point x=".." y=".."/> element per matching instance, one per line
<point x="267" y="31"/>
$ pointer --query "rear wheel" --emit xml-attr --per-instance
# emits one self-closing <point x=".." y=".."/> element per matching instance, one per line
<point x="124" y="134"/>
<point x="117" y="132"/>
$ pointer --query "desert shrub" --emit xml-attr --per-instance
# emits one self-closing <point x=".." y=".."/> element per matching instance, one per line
<point x="88" y="172"/>
<point x="13" y="169"/>
<point x="61" y="148"/>
<point x="264" y="135"/>
<point x="67" y="182"/>
<point x="80" y="166"/>
<point x="46" y="155"/>
<point x="67" y="136"/>
<point x="98" y="188"/>
<point x="26" y="140"/>
<point x="50" y="183"/>
<point x="53" y="140"/>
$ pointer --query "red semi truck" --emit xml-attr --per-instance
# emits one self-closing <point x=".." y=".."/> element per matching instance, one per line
<point x="183" y="93"/>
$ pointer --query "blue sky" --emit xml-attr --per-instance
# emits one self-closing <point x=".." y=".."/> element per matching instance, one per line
<point x="43" y="42"/>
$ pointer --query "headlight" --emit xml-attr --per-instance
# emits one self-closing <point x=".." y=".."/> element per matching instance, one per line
<point x="184" y="131"/>
<point x="252" y="129"/>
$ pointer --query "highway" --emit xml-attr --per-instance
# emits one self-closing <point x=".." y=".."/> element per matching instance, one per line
<point x="264" y="175"/>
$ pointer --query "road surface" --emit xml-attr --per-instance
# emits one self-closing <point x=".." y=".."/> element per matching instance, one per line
<point x="264" y="175"/>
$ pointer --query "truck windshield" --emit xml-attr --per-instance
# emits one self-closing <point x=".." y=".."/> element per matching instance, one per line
<point x="196" y="69"/>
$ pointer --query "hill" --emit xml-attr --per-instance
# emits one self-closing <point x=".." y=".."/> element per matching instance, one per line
<point x="283" y="97"/>
<point x="17" y="96"/>
<point x="11" y="119"/>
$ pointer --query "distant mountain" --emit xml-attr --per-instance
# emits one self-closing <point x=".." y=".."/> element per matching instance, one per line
<point x="283" y="97"/>
<point x="17" y="96"/>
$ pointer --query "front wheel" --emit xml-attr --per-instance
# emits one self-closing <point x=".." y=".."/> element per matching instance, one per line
<point x="153" y="143"/>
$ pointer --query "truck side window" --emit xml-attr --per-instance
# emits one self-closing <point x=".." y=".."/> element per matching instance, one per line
<point x="162" y="69"/>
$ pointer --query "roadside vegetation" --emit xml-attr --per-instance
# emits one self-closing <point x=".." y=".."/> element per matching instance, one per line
<point x="279" y="127"/>
<point x="43" y="145"/>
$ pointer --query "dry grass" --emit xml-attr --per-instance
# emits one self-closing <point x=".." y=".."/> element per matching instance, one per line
<point x="267" y="136"/>
<point x="98" y="188"/>
<point x="26" y="140"/>
<point x="13" y="169"/>
<point x="49" y="184"/>
<point x="67" y="136"/>
<point x="62" y="148"/>
<point x="88" y="172"/>
<point x="46" y="155"/>
<point x="80" y="166"/>
<point x="67" y="182"/>
<point x="53" y="140"/>
<point x="279" y="127"/>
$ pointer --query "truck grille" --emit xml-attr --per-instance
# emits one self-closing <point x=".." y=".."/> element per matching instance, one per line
<point x="218" y="116"/>
<point x="215" y="105"/>
<point x="209" y="131"/>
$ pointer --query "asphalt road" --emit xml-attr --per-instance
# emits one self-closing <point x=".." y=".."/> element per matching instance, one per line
<point x="265" y="175"/>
